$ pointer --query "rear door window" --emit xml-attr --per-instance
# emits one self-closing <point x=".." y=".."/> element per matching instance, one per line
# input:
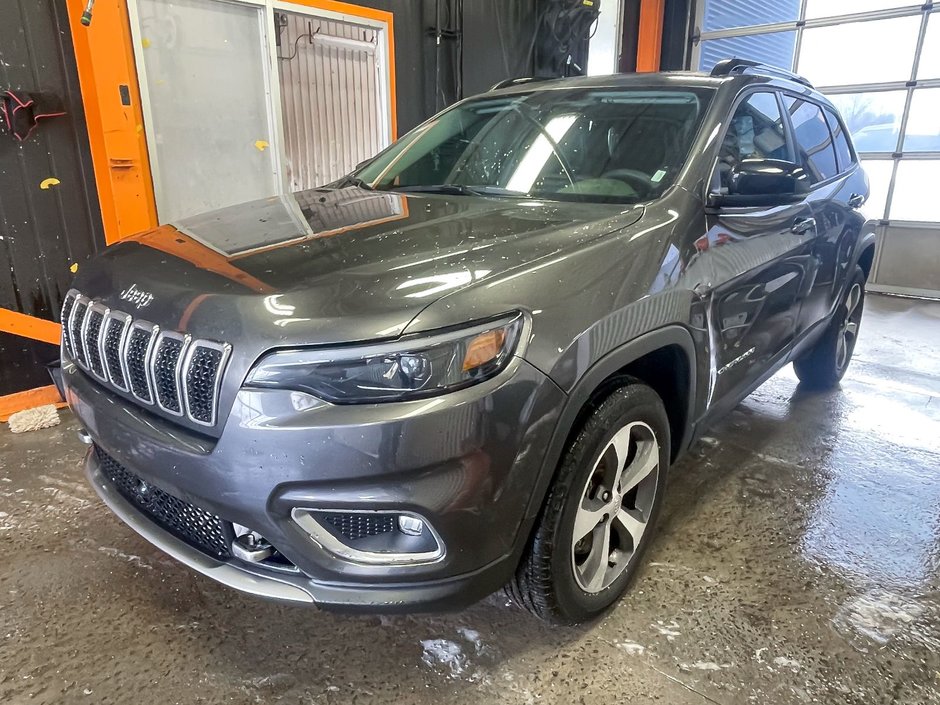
<point x="843" y="150"/>
<point x="815" y="150"/>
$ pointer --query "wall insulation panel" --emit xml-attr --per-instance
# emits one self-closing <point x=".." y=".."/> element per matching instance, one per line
<point x="334" y="115"/>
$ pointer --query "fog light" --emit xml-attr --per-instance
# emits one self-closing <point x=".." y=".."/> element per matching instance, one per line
<point x="372" y="537"/>
<point x="410" y="525"/>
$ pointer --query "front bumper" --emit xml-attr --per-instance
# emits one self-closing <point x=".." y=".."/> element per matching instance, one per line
<point x="467" y="462"/>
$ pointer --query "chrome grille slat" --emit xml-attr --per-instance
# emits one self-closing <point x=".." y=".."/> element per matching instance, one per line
<point x="67" y="304"/>
<point x="202" y="378"/>
<point x="76" y="329"/>
<point x="167" y="359"/>
<point x="91" y="339"/>
<point x="164" y="369"/>
<point x="116" y="328"/>
<point x="139" y="352"/>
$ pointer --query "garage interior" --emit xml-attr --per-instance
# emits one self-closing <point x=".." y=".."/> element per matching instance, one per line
<point x="797" y="558"/>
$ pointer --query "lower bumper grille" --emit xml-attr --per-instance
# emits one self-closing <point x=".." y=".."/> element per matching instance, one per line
<point x="199" y="528"/>
<point x="354" y="527"/>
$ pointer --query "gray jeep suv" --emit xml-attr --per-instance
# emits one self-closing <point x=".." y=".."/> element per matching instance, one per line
<point x="471" y="362"/>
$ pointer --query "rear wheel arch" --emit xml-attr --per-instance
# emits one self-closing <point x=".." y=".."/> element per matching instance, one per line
<point x="866" y="259"/>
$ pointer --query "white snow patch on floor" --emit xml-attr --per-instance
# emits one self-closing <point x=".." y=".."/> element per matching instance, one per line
<point x="631" y="647"/>
<point x="670" y="630"/>
<point x="130" y="558"/>
<point x="473" y="636"/>
<point x="704" y="666"/>
<point x="444" y="653"/>
<point x="879" y="615"/>
<point x="787" y="662"/>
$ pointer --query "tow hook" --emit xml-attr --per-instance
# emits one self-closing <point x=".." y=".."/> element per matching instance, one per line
<point x="252" y="548"/>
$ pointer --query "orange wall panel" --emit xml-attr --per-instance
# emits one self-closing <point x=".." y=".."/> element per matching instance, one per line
<point x="108" y="78"/>
<point x="650" y="39"/>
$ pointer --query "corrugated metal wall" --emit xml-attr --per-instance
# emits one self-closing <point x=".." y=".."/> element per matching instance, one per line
<point x="43" y="231"/>
<point x="334" y="116"/>
<point x="744" y="13"/>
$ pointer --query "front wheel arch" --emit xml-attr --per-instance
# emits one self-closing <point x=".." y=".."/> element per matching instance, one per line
<point x="601" y="378"/>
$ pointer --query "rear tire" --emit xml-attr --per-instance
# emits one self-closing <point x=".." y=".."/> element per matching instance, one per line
<point x="824" y="365"/>
<point x="609" y="488"/>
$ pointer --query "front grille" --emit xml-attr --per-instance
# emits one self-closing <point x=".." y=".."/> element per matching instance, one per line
<point x="180" y="376"/>
<point x="198" y="527"/>
<point x="166" y="362"/>
<point x="67" y="306"/>
<point x="138" y="345"/>
<point x="75" y="332"/>
<point x="202" y="380"/>
<point x="113" y="338"/>
<point x="360" y="525"/>
<point x="90" y="341"/>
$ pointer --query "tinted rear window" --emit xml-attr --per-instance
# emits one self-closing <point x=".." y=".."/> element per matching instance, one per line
<point x="814" y="142"/>
<point x="843" y="151"/>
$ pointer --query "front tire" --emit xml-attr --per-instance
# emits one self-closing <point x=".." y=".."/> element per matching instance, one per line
<point x="824" y="365"/>
<point x="601" y="511"/>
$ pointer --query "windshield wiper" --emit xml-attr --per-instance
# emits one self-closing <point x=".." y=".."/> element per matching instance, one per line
<point x="350" y="180"/>
<point x="456" y="190"/>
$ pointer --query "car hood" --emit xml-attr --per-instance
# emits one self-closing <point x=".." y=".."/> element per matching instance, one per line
<point x="331" y="266"/>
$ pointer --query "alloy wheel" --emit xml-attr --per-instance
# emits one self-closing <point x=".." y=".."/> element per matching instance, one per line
<point x="615" y="507"/>
<point x="849" y="331"/>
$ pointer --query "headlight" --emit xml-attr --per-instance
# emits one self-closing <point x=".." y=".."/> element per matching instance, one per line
<point x="412" y="368"/>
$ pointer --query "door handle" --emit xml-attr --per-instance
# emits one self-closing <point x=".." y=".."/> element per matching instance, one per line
<point x="802" y="225"/>
<point x="856" y="200"/>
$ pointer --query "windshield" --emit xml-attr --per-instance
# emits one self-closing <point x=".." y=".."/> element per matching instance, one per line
<point x="598" y="145"/>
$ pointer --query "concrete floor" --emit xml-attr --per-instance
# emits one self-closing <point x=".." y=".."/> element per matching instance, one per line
<point x="798" y="561"/>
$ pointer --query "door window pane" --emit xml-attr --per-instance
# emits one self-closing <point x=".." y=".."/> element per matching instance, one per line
<point x="849" y="53"/>
<point x="915" y="191"/>
<point x="929" y="66"/>
<point x="813" y="141"/>
<point x="843" y="152"/>
<point x="755" y="132"/>
<point x="775" y="48"/>
<point x="879" y="179"/>
<point x="723" y="14"/>
<point x="834" y="8"/>
<point x="873" y="119"/>
<point x="923" y="122"/>
<point x="208" y="101"/>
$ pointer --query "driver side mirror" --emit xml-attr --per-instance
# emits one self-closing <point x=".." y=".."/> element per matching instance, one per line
<point x="762" y="182"/>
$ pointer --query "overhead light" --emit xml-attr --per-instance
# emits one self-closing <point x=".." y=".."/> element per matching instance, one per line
<point x="539" y="152"/>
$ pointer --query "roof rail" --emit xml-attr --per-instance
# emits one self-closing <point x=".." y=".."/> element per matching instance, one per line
<point x="519" y="81"/>
<point x="729" y="67"/>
